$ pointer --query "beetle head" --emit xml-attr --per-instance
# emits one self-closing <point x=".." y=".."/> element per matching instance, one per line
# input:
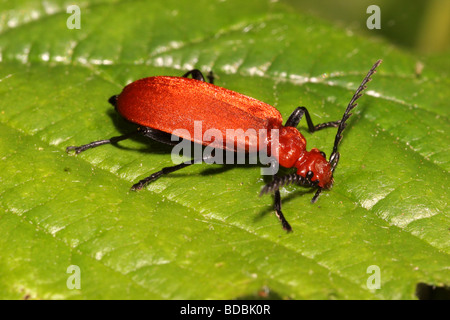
<point x="315" y="167"/>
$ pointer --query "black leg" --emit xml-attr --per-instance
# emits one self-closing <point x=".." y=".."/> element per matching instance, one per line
<point x="296" y="116"/>
<point x="151" y="133"/>
<point x="112" y="140"/>
<point x="316" y="195"/>
<point x="141" y="184"/>
<point x="210" y="77"/>
<point x="158" y="135"/>
<point x="195" y="74"/>
<point x="198" y="75"/>
<point x="286" y="226"/>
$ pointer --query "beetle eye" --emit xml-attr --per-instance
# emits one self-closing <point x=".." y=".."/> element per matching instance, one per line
<point x="323" y="154"/>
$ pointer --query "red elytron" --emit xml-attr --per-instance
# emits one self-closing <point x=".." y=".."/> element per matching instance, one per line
<point x="161" y="105"/>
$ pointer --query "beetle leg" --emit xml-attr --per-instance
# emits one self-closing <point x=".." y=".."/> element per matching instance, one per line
<point x="141" y="184"/>
<point x="198" y="75"/>
<point x="210" y="77"/>
<point x="94" y="144"/>
<point x="195" y="74"/>
<point x="158" y="135"/>
<point x="286" y="226"/>
<point x="153" y="134"/>
<point x="297" y="115"/>
<point x="316" y="195"/>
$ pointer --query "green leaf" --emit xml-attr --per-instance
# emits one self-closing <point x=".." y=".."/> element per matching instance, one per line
<point x="203" y="232"/>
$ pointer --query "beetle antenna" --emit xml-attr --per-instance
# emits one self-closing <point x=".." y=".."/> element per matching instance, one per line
<point x="334" y="157"/>
<point x="279" y="182"/>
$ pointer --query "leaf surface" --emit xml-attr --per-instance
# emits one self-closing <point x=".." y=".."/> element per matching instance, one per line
<point x="203" y="232"/>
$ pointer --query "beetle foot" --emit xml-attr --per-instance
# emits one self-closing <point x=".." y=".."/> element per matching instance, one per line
<point x="76" y="149"/>
<point x="141" y="184"/>
<point x="138" y="186"/>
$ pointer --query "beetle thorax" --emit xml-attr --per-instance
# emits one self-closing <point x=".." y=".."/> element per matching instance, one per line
<point x="292" y="146"/>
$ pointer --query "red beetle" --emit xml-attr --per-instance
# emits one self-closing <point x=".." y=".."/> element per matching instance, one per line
<point x="162" y="105"/>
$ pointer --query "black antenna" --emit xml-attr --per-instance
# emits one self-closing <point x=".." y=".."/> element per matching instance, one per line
<point x="334" y="157"/>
